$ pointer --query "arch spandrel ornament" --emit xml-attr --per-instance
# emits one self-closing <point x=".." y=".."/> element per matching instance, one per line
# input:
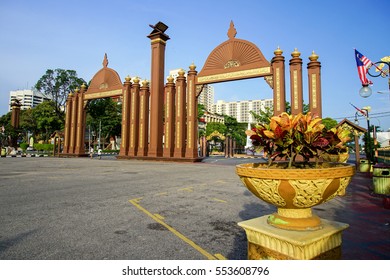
<point x="234" y="59"/>
<point x="105" y="83"/>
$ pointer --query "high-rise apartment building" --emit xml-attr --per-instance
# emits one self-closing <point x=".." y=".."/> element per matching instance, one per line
<point x="206" y="97"/>
<point x="241" y="109"/>
<point x="27" y="97"/>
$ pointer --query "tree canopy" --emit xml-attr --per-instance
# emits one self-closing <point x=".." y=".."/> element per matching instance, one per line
<point x="56" y="85"/>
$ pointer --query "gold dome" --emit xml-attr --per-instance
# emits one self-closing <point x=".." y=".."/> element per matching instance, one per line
<point x="170" y="79"/>
<point x="136" y="80"/>
<point x="181" y="72"/>
<point x="278" y="51"/>
<point x="192" y="66"/>
<point x="314" y="56"/>
<point x="127" y="79"/>
<point x="295" y="53"/>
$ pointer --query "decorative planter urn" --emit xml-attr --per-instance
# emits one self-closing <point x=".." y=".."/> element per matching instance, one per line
<point x="294" y="191"/>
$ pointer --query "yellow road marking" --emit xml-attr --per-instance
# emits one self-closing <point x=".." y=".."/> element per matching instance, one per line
<point x="220" y="257"/>
<point x="158" y="216"/>
<point x="162" y="193"/>
<point x="175" y="232"/>
<point x="219" y="200"/>
<point x="189" y="189"/>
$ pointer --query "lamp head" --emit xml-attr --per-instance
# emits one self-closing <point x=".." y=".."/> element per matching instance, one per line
<point x="365" y="91"/>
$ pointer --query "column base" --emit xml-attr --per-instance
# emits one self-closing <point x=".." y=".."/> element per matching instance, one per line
<point x="267" y="242"/>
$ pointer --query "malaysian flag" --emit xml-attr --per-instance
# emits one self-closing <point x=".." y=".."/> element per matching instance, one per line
<point x="363" y="63"/>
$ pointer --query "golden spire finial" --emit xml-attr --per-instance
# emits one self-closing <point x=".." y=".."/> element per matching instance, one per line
<point x="127" y="78"/>
<point x="313" y="56"/>
<point x="192" y="66"/>
<point x="232" y="32"/>
<point x="295" y="53"/>
<point x="278" y="51"/>
<point x="181" y="72"/>
<point x="136" y="80"/>
<point x="145" y="83"/>
<point x="170" y="79"/>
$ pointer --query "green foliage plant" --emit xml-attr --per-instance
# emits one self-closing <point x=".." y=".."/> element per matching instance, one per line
<point x="288" y="136"/>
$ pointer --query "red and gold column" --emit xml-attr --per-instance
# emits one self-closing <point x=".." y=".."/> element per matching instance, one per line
<point x="296" y="83"/>
<point x="80" y="132"/>
<point x="180" y="115"/>
<point x="125" y="117"/>
<point x="192" y="115"/>
<point x="144" y="120"/>
<point x="134" y="117"/>
<point x="73" y="123"/>
<point x="314" y="78"/>
<point x="68" y="119"/>
<point x="279" y="88"/>
<point x="158" y="42"/>
<point x="169" y="126"/>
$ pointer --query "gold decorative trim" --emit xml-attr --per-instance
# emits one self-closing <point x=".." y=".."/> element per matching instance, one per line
<point x="237" y="74"/>
<point x="158" y="40"/>
<point x="103" y="94"/>
<point x="314" y="90"/>
<point x="309" y="192"/>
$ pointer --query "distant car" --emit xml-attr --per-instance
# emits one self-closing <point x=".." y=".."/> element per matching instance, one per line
<point x="30" y="149"/>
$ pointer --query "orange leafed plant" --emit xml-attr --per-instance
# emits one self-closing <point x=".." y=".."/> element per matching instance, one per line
<point x="287" y="136"/>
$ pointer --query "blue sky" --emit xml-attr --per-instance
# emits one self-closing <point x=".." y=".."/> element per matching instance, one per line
<point x="40" y="35"/>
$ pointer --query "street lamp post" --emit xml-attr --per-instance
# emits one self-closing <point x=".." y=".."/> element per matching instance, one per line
<point x="366" y="91"/>
<point x="368" y="149"/>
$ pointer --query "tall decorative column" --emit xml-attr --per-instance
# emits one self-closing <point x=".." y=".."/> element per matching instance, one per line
<point x="180" y="115"/>
<point x="80" y="132"/>
<point x="125" y="117"/>
<point x="296" y="83"/>
<point x="134" y="117"/>
<point x="73" y="125"/>
<point x="144" y="120"/>
<point x="192" y="115"/>
<point x="169" y="135"/>
<point x="314" y="73"/>
<point x="279" y="88"/>
<point x="68" y="120"/>
<point x="158" y="41"/>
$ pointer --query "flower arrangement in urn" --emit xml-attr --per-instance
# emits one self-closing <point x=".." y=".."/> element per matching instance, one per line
<point x="299" y="180"/>
<point x="290" y="136"/>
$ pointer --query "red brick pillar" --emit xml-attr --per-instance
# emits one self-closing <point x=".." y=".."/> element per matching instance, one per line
<point x="80" y="132"/>
<point x="277" y="64"/>
<point x="15" y="120"/>
<point x="125" y="117"/>
<point x="68" y="119"/>
<point x="296" y="83"/>
<point x="158" y="42"/>
<point x="180" y="116"/>
<point x="73" y="124"/>
<point x="144" y="120"/>
<point x="192" y="115"/>
<point x="314" y="78"/>
<point x="169" y="135"/>
<point x="134" y="118"/>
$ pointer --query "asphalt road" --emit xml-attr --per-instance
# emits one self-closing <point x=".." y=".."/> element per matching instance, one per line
<point x="66" y="208"/>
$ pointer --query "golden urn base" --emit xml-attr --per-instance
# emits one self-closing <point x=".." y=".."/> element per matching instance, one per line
<point x="266" y="242"/>
<point x="295" y="219"/>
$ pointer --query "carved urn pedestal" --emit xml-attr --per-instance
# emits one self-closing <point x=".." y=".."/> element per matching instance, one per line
<point x="293" y="232"/>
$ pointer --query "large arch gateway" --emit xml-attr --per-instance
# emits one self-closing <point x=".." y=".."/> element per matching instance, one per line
<point x="159" y="120"/>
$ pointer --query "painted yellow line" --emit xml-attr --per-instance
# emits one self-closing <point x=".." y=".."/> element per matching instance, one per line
<point x="219" y="200"/>
<point x="175" y="232"/>
<point x="220" y="257"/>
<point x="189" y="189"/>
<point x="158" y="216"/>
<point x="162" y="193"/>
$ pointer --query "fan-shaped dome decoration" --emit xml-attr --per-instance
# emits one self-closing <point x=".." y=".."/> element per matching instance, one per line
<point x="106" y="79"/>
<point x="234" y="59"/>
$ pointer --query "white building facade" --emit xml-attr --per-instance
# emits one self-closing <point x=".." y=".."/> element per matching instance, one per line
<point x="27" y="97"/>
<point x="241" y="109"/>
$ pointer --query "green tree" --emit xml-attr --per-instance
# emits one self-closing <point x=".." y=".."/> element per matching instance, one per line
<point x="329" y="123"/>
<point x="47" y="121"/>
<point x="56" y="85"/>
<point x="107" y="114"/>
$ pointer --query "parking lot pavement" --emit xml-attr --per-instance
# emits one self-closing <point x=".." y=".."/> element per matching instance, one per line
<point x="78" y="208"/>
